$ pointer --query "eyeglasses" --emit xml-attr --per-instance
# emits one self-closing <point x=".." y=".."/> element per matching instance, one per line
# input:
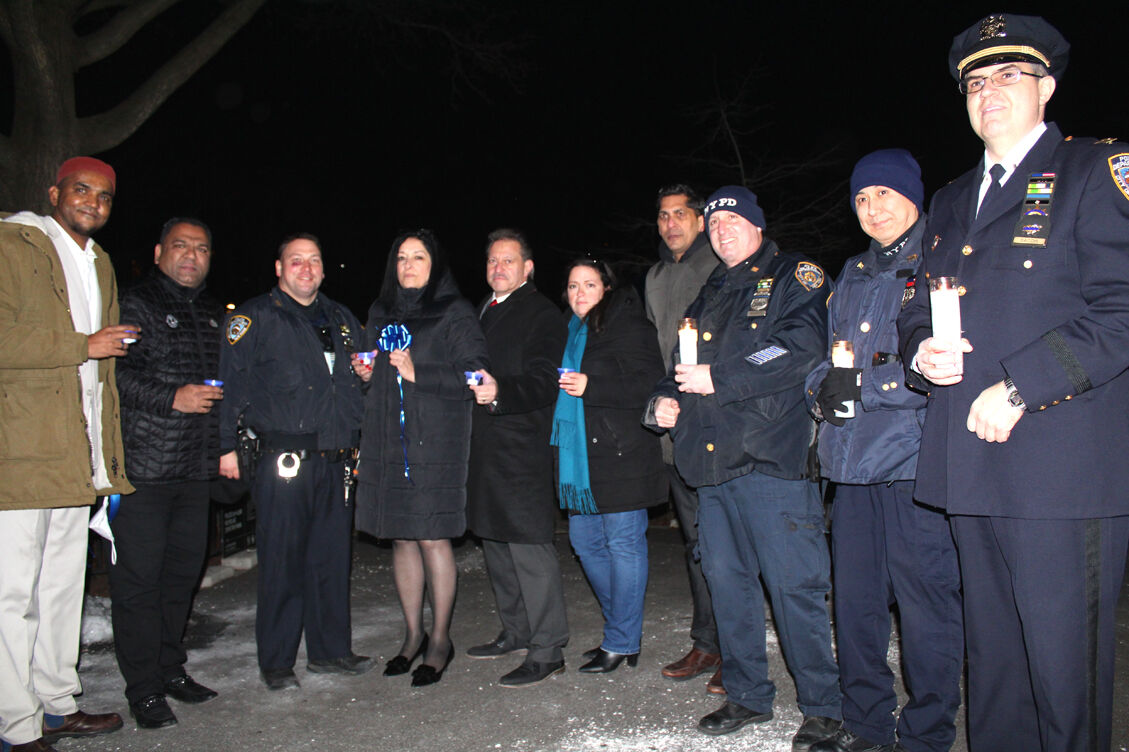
<point x="1002" y="77"/>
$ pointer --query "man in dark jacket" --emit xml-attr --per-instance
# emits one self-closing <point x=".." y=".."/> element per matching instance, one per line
<point x="685" y="263"/>
<point x="171" y="435"/>
<point x="741" y="436"/>
<point x="511" y="504"/>
<point x="1025" y="435"/>
<point x="287" y="374"/>
<point x="885" y="547"/>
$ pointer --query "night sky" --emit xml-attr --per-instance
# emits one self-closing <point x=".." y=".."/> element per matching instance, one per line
<point x="319" y="117"/>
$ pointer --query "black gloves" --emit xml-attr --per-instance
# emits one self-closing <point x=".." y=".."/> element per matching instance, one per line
<point x="840" y="385"/>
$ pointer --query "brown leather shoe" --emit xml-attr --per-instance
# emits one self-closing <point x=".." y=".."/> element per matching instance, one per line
<point x="36" y="746"/>
<point x="691" y="664"/>
<point x="79" y="723"/>
<point x="714" y="685"/>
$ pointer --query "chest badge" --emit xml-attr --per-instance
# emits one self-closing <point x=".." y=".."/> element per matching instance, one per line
<point x="758" y="306"/>
<point x="910" y="290"/>
<point x="1034" y="225"/>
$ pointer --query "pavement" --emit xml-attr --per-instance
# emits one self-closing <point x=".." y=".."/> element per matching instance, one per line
<point x="629" y="710"/>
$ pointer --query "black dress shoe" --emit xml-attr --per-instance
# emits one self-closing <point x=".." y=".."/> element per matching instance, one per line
<point x="279" y="678"/>
<point x="402" y="664"/>
<point x="845" y="740"/>
<point x="152" y="712"/>
<point x="813" y="730"/>
<point x="425" y="675"/>
<point x="730" y="717"/>
<point x="187" y="689"/>
<point x="531" y="672"/>
<point x="606" y="661"/>
<point x="351" y="664"/>
<point x="501" y="645"/>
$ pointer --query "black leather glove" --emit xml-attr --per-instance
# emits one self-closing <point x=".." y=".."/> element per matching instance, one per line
<point x="840" y="385"/>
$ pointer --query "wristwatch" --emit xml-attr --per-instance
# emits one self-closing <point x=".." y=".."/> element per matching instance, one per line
<point x="1013" y="397"/>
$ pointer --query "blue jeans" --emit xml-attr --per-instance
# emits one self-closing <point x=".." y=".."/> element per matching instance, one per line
<point x="755" y="527"/>
<point x="613" y="551"/>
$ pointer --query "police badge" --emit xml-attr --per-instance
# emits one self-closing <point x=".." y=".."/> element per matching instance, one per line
<point x="809" y="275"/>
<point x="1119" y="169"/>
<point x="237" y="326"/>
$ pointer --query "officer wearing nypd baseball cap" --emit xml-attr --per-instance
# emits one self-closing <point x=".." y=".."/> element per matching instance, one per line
<point x="1028" y="412"/>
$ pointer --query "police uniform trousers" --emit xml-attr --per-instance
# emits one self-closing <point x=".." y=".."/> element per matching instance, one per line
<point x="886" y="550"/>
<point x="526" y="578"/>
<point x="759" y="527"/>
<point x="161" y="536"/>
<point x="1039" y="603"/>
<point x="703" y="630"/>
<point x="303" y="535"/>
<point x="41" y="586"/>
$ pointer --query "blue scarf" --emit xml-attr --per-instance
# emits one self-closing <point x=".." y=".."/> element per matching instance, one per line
<point x="569" y="435"/>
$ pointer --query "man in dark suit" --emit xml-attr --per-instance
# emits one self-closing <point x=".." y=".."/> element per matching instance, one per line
<point x="1029" y="415"/>
<point x="510" y="501"/>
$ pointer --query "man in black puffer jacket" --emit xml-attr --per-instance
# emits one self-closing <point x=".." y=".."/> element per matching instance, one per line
<point x="171" y="438"/>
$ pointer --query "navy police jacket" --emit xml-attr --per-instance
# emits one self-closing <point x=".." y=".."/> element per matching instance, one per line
<point x="762" y="327"/>
<point x="1053" y="317"/>
<point x="880" y="443"/>
<point x="276" y="375"/>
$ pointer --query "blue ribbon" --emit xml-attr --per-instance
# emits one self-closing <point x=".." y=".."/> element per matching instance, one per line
<point x="397" y="337"/>
<point x="115" y="502"/>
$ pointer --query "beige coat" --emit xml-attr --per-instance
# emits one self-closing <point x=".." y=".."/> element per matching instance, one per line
<point x="44" y="449"/>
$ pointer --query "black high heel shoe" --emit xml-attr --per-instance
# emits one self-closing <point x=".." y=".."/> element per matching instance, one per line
<point x="402" y="664"/>
<point x="425" y="675"/>
<point x="590" y="654"/>
<point x="605" y="661"/>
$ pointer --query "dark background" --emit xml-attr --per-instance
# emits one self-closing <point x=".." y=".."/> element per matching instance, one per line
<point x="322" y="117"/>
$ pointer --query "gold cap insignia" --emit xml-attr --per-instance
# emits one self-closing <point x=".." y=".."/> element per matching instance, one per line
<point x="992" y="27"/>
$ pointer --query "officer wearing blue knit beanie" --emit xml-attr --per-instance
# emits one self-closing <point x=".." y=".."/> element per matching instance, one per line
<point x="885" y="548"/>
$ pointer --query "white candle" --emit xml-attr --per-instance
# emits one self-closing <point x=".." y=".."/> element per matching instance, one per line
<point x="688" y="342"/>
<point x="944" y="302"/>
<point x="843" y="356"/>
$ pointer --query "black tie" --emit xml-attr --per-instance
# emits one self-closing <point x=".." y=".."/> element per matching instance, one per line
<point x="994" y="189"/>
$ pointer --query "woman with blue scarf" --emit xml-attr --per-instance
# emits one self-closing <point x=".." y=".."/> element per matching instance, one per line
<point x="609" y="468"/>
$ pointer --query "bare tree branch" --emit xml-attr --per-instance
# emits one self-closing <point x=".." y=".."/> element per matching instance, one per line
<point x="118" y="30"/>
<point x="98" y="133"/>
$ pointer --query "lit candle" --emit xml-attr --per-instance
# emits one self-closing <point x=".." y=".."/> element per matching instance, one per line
<point x="843" y="356"/>
<point x="944" y="302"/>
<point x="688" y="342"/>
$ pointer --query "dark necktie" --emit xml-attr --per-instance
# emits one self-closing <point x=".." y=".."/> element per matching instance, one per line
<point x="994" y="189"/>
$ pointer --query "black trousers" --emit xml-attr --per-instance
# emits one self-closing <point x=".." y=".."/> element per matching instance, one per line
<point x="1040" y="599"/>
<point x="302" y="531"/>
<point x="161" y="536"/>
<point x="886" y="549"/>
<point x="703" y="629"/>
<point x="526" y="578"/>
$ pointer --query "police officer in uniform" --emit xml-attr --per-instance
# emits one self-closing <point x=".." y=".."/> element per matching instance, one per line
<point x="885" y="548"/>
<point x="1028" y="415"/>
<point x="287" y="376"/>
<point x="742" y="435"/>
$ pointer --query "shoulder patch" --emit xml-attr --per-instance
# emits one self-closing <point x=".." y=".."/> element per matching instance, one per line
<point x="809" y="275"/>
<point x="1119" y="169"/>
<point x="237" y="327"/>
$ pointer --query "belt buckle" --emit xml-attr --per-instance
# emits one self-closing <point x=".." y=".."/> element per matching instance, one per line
<point x="288" y="464"/>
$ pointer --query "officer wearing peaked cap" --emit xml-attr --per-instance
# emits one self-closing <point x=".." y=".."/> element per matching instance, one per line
<point x="1029" y="413"/>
